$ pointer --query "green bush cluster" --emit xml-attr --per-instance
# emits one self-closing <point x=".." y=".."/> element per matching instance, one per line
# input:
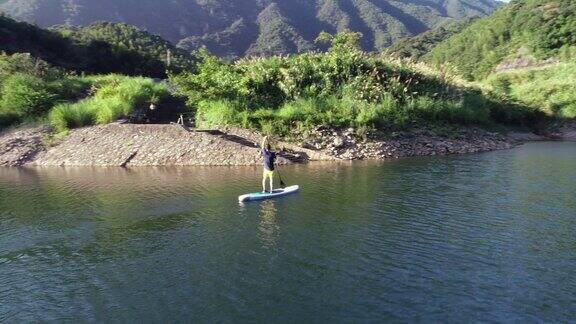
<point x="114" y="97"/>
<point x="339" y="112"/>
<point x="30" y="87"/>
<point x="343" y="87"/>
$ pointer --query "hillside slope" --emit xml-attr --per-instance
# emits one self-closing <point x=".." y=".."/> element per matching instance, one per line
<point x="98" y="48"/>
<point x="234" y="28"/>
<point x="418" y="46"/>
<point x="528" y="29"/>
<point x="549" y="88"/>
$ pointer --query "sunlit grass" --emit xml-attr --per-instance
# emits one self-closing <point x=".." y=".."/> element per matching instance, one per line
<point x="114" y="97"/>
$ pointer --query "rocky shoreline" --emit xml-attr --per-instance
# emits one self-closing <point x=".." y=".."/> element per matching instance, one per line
<point x="347" y="146"/>
<point x="129" y="145"/>
<point x="22" y="146"/>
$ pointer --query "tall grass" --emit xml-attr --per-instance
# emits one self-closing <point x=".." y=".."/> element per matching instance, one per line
<point x="66" y="116"/>
<point x="342" y="112"/>
<point x="115" y="97"/>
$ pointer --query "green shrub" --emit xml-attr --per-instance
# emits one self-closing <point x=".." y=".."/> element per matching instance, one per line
<point x="216" y="113"/>
<point x="23" y="63"/>
<point x="115" y="97"/>
<point x="340" y="112"/>
<point x="385" y="113"/>
<point x="7" y="119"/>
<point x="25" y="95"/>
<point x="341" y="88"/>
<point x="30" y="87"/>
<point x="66" y="116"/>
<point x="71" y="88"/>
<point x="305" y="111"/>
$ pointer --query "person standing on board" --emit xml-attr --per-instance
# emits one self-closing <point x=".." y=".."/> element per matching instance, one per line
<point x="269" y="159"/>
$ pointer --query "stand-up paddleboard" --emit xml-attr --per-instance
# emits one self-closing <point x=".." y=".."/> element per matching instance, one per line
<point x="268" y="195"/>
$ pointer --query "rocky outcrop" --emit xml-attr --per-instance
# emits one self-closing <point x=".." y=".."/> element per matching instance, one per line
<point x="566" y="131"/>
<point x="524" y="63"/>
<point x="22" y="146"/>
<point x="297" y="151"/>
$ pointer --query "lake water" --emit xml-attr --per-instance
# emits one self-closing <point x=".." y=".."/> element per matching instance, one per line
<point x="474" y="238"/>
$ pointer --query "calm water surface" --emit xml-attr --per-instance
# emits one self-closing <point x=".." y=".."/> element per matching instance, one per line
<point x="488" y="237"/>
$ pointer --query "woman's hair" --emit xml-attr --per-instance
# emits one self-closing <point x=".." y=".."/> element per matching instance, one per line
<point x="268" y="147"/>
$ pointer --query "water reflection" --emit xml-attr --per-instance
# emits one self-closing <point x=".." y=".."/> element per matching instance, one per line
<point x="268" y="227"/>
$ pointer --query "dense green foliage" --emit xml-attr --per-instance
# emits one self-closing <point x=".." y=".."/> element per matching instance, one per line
<point x="29" y="87"/>
<point x="524" y="28"/>
<point x="550" y="88"/>
<point x="235" y="28"/>
<point x="114" y="97"/>
<point x="125" y="49"/>
<point x="342" y="88"/>
<point x="418" y="46"/>
<point x="99" y="48"/>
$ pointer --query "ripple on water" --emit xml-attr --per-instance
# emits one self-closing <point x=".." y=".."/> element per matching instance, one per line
<point x="481" y="238"/>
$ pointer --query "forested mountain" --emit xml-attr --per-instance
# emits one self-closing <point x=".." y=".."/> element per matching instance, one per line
<point x="98" y="48"/>
<point x="528" y="30"/>
<point x="234" y="28"/>
<point x="418" y="46"/>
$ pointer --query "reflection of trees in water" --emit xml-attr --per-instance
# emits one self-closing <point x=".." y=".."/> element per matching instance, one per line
<point x="34" y="199"/>
<point x="135" y="179"/>
<point x="35" y="192"/>
<point x="268" y="227"/>
<point x="109" y="209"/>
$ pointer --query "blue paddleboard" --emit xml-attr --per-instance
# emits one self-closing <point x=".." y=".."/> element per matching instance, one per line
<point x="268" y="195"/>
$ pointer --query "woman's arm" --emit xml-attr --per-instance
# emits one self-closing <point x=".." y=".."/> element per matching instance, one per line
<point x="264" y="142"/>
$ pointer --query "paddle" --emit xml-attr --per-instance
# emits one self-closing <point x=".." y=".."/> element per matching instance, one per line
<point x="282" y="184"/>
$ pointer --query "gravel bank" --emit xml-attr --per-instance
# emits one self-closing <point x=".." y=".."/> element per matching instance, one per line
<point x="149" y="145"/>
<point x="22" y="146"/>
<point x="130" y="145"/>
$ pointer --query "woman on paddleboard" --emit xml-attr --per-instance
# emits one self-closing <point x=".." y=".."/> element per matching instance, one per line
<point x="269" y="160"/>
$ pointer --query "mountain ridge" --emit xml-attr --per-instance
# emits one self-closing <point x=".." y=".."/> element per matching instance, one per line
<point x="256" y="27"/>
<point x="98" y="48"/>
